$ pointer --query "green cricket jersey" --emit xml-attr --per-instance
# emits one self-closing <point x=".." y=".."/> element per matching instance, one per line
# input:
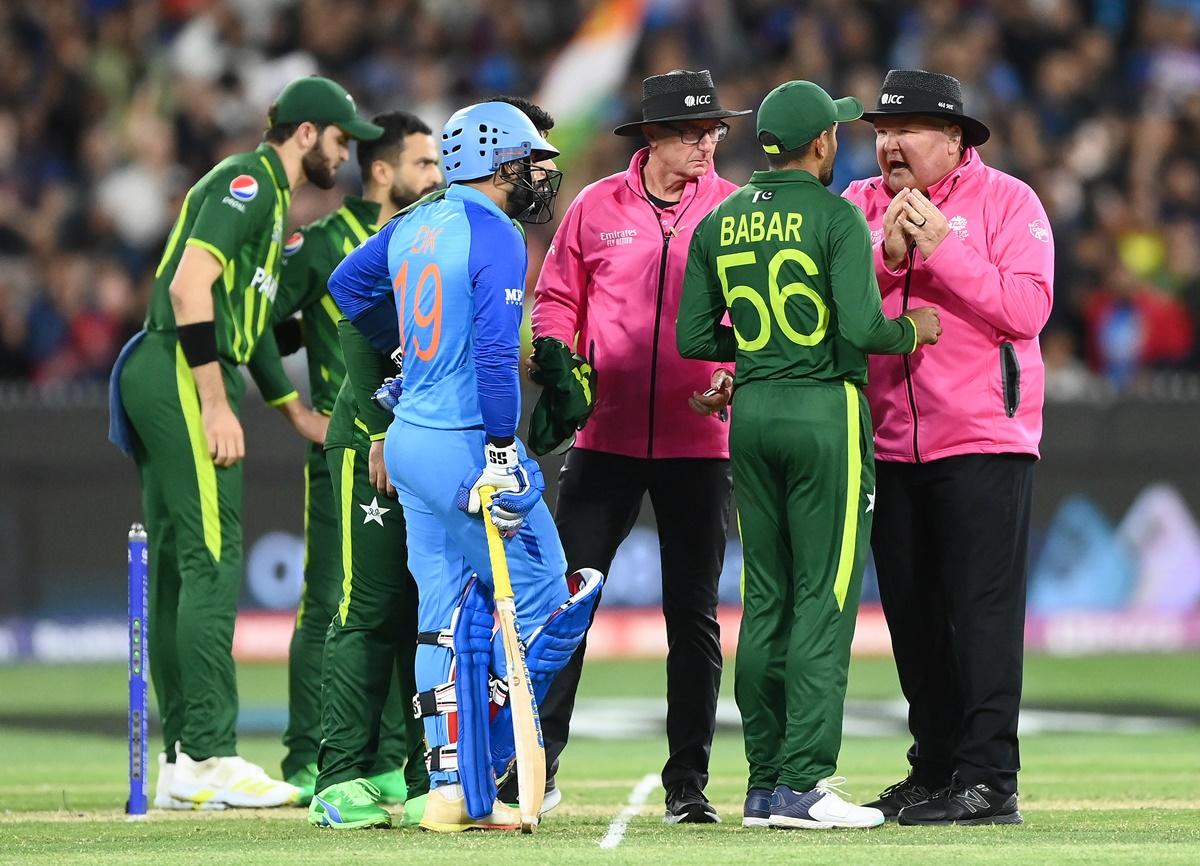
<point x="792" y="264"/>
<point x="237" y="212"/>
<point x="357" y="420"/>
<point x="309" y="257"/>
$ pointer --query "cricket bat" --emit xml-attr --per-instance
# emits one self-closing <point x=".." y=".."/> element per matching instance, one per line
<point x="527" y="724"/>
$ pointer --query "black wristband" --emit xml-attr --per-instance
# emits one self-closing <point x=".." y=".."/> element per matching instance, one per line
<point x="199" y="342"/>
<point x="289" y="336"/>
<point x="501" y="441"/>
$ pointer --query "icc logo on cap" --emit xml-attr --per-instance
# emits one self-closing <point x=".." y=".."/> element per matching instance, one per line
<point x="243" y="187"/>
<point x="691" y="100"/>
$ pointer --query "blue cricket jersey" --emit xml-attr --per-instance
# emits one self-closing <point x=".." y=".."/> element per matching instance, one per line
<point x="446" y="282"/>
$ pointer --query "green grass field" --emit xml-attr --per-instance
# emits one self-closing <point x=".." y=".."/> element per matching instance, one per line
<point x="1087" y="797"/>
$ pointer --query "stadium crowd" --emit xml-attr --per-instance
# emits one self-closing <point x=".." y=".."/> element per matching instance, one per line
<point x="110" y="109"/>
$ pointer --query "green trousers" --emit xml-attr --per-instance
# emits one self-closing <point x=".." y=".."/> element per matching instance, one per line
<point x="367" y="677"/>
<point x="318" y="600"/>
<point x="193" y="513"/>
<point x="804" y="477"/>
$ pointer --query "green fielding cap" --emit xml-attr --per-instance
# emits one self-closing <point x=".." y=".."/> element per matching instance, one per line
<point x="796" y="112"/>
<point x="320" y="100"/>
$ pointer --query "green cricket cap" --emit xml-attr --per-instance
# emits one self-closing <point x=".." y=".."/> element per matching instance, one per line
<point x="796" y="112"/>
<point x="320" y="100"/>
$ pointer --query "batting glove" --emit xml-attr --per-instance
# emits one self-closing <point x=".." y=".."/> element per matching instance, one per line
<point x="519" y="485"/>
<point x="387" y="395"/>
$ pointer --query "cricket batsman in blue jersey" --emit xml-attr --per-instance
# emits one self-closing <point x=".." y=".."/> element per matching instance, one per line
<point x="440" y="288"/>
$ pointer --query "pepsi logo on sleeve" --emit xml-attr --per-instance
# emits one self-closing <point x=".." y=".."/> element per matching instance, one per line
<point x="293" y="243"/>
<point x="243" y="187"/>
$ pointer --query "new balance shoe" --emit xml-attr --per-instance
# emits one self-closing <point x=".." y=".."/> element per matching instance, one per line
<point x="305" y="780"/>
<point x="393" y="790"/>
<point x="974" y="804"/>
<point x="899" y="796"/>
<point x="688" y="805"/>
<point x="551" y="798"/>
<point x="446" y="812"/>
<point x="507" y="792"/>
<point x="352" y="805"/>
<point x="232" y="781"/>
<point x="757" y="810"/>
<point x="162" y="790"/>
<point x="822" y="808"/>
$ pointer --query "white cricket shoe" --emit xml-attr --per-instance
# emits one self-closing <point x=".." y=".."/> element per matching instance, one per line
<point x="162" y="792"/>
<point x="230" y="781"/>
<point x="822" y="808"/>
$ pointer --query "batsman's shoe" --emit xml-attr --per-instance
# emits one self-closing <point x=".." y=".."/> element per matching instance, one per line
<point x="688" y="805"/>
<point x="757" y="810"/>
<point x="352" y="805"/>
<point x="507" y="793"/>
<point x="901" y="795"/>
<point x="393" y="790"/>
<point x="446" y="812"/>
<point x="973" y="804"/>
<point x="822" y="808"/>
<point x="162" y="792"/>
<point x="414" y="811"/>
<point x="232" y="780"/>
<point x="305" y="780"/>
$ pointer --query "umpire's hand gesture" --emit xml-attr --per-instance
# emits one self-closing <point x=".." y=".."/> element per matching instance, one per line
<point x="921" y="222"/>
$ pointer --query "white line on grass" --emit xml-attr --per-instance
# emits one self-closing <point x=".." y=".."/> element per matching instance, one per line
<point x="637" y="798"/>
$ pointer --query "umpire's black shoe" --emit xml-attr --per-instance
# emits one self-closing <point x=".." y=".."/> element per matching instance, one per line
<point x="899" y="796"/>
<point x="688" y="805"/>
<point x="974" y="804"/>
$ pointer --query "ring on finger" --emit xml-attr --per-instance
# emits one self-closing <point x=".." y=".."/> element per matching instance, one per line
<point x="921" y="223"/>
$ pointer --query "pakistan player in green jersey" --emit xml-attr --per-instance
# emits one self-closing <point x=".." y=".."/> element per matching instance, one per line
<point x="181" y="389"/>
<point x="791" y="263"/>
<point x="397" y="168"/>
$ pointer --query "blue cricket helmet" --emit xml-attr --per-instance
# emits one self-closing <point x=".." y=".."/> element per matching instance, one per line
<point x="478" y="139"/>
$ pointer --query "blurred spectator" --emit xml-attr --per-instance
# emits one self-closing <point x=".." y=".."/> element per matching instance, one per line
<point x="110" y="109"/>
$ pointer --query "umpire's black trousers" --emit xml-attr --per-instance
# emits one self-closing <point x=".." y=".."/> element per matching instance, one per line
<point x="599" y="496"/>
<point x="950" y="541"/>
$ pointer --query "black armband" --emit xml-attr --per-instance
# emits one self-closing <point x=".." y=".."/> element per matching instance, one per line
<point x="199" y="342"/>
<point x="501" y="441"/>
<point x="289" y="336"/>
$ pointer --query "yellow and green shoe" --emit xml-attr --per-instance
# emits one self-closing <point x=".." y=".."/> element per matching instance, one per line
<point x="414" y="811"/>
<point x="352" y="805"/>
<point x="306" y="780"/>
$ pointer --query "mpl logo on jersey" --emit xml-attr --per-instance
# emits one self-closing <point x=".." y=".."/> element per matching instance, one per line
<point x="243" y="187"/>
<point x="293" y="243"/>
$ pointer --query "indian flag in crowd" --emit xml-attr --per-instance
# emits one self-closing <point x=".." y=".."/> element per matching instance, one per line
<point x="589" y="71"/>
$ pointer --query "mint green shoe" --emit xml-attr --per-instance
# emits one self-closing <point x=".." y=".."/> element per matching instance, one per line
<point x="349" y="805"/>
<point x="414" y="811"/>
<point x="392" y="789"/>
<point x="306" y="780"/>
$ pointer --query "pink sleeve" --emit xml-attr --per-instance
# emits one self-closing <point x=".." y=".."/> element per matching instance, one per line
<point x="558" y="297"/>
<point x="1012" y="289"/>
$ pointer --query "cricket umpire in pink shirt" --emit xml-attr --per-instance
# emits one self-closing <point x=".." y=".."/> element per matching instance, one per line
<point x="956" y="438"/>
<point x="613" y="276"/>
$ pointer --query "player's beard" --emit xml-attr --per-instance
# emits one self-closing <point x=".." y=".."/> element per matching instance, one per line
<point x="826" y="177"/>
<point x="317" y="167"/>
<point x="402" y="196"/>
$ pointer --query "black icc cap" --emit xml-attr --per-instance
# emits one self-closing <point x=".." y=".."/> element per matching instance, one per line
<point x="915" y="91"/>
<point x="679" y="95"/>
